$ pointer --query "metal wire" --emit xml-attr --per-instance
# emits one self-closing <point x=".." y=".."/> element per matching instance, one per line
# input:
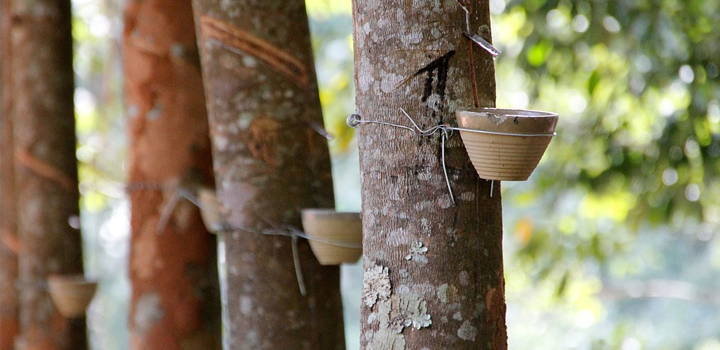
<point x="446" y="130"/>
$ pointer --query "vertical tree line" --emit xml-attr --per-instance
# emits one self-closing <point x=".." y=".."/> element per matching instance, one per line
<point x="269" y="164"/>
<point x="175" y="300"/>
<point x="46" y="176"/>
<point x="433" y="273"/>
<point x="9" y="249"/>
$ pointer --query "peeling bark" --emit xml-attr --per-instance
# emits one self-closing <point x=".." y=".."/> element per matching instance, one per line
<point x="9" y="247"/>
<point x="443" y="262"/>
<point x="269" y="164"/>
<point x="46" y="169"/>
<point x="175" y="301"/>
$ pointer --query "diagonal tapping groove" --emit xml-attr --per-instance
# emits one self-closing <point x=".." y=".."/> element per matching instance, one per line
<point x="244" y="42"/>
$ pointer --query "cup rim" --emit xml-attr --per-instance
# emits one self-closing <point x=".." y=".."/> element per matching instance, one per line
<point x="505" y="112"/>
<point x="326" y="212"/>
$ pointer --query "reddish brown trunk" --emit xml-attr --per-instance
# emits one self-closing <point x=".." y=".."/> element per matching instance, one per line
<point x="175" y="298"/>
<point x="433" y="273"/>
<point x="269" y="164"/>
<point x="46" y="168"/>
<point x="9" y="321"/>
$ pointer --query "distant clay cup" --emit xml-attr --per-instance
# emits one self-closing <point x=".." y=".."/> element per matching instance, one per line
<point x="71" y="293"/>
<point x="335" y="237"/>
<point x="505" y="144"/>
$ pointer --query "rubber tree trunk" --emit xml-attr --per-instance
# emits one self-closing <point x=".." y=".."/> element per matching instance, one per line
<point x="46" y="169"/>
<point x="269" y="163"/>
<point x="433" y="273"/>
<point x="173" y="268"/>
<point x="9" y="248"/>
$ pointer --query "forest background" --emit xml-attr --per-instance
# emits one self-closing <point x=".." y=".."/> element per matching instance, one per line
<point x="613" y="242"/>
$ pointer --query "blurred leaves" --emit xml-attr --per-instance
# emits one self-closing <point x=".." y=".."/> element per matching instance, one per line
<point x="635" y="83"/>
<point x="639" y="130"/>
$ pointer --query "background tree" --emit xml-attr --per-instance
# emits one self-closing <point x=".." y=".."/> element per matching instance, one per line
<point x="46" y="169"/>
<point x="9" y="249"/>
<point x="175" y="298"/>
<point x="269" y="164"/>
<point x="433" y="271"/>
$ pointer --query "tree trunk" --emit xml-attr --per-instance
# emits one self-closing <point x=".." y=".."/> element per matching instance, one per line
<point x="9" y="249"/>
<point x="269" y="164"/>
<point x="175" y="301"/>
<point x="433" y="274"/>
<point x="46" y="169"/>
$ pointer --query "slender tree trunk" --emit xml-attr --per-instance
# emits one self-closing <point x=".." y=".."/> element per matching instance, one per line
<point x="269" y="164"/>
<point x="46" y="169"/>
<point x="175" y="293"/>
<point x="9" y="249"/>
<point x="433" y="274"/>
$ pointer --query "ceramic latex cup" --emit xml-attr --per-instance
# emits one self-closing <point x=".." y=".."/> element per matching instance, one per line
<point x="335" y="237"/>
<point x="503" y="149"/>
<point x="71" y="293"/>
<point x="210" y="210"/>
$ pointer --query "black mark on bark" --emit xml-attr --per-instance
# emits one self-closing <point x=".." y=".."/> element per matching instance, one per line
<point x="441" y="65"/>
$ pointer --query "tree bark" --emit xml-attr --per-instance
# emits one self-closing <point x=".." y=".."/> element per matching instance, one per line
<point x="46" y="169"/>
<point x="433" y="273"/>
<point x="9" y="249"/>
<point x="175" y="301"/>
<point x="269" y="163"/>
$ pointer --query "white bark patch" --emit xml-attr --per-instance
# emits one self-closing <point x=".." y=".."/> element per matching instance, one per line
<point x="398" y="237"/>
<point x="376" y="285"/>
<point x="249" y="62"/>
<point x="464" y="278"/>
<point x="467" y="197"/>
<point x="245" y="305"/>
<point x="417" y="253"/>
<point x="413" y="38"/>
<point x="389" y="82"/>
<point x="442" y="293"/>
<point x="421" y="206"/>
<point x="425" y="223"/>
<point x="434" y="102"/>
<point x="149" y="311"/>
<point x="221" y="142"/>
<point x="426" y="176"/>
<point x="365" y="79"/>
<point x="458" y="316"/>
<point x="447" y="293"/>
<point x="444" y="202"/>
<point x="413" y="312"/>
<point x="387" y="336"/>
<point x="467" y="331"/>
<point x="155" y="112"/>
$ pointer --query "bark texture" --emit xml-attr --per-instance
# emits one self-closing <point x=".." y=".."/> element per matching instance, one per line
<point x="175" y="301"/>
<point x="46" y="169"/>
<point x="433" y="273"/>
<point x="269" y="164"/>
<point x="9" y="248"/>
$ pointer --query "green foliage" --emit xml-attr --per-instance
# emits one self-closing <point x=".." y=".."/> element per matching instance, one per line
<point x="636" y="85"/>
